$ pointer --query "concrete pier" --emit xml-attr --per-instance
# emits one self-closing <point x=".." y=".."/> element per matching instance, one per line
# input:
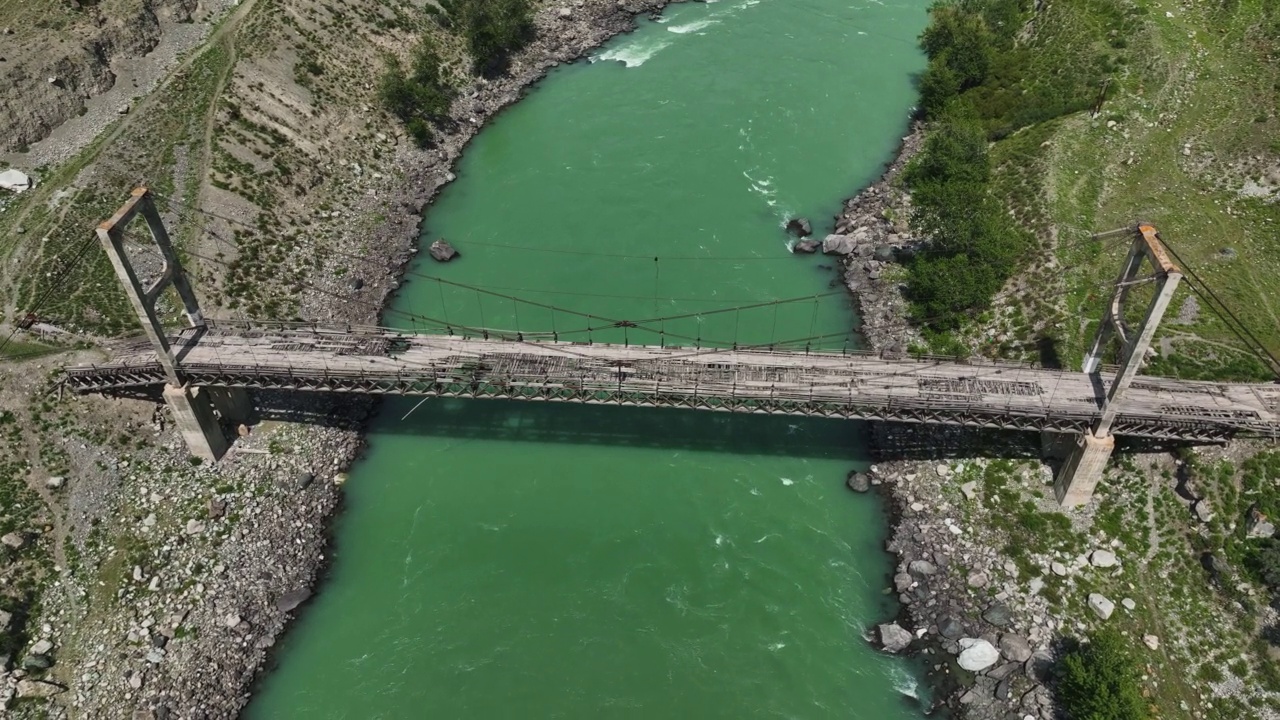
<point x="1083" y="470"/>
<point x="193" y="412"/>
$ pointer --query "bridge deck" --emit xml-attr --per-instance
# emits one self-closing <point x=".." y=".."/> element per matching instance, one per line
<point x="754" y="381"/>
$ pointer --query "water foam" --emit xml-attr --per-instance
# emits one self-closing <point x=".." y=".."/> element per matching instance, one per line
<point x="787" y="481"/>
<point x="694" y="26"/>
<point x="634" y="54"/>
<point x="904" y="682"/>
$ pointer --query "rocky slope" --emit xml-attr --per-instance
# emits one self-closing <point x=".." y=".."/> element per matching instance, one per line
<point x="167" y="583"/>
<point x="56" y="57"/>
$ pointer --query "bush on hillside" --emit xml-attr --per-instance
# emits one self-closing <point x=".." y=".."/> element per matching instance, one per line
<point x="1099" y="680"/>
<point x="494" y="29"/>
<point x="420" y="98"/>
<point x="975" y="246"/>
<point x="976" y="60"/>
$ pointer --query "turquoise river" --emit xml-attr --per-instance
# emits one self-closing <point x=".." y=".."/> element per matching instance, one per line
<point x="508" y="560"/>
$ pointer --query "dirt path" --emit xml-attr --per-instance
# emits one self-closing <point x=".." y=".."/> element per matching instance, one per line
<point x="68" y="192"/>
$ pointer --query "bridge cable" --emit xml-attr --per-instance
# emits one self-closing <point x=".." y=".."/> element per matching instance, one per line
<point x="1257" y="346"/>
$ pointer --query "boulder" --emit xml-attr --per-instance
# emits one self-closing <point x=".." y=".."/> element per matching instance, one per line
<point x="977" y="654"/>
<point x="806" y="247"/>
<point x="13" y="540"/>
<point x="15" y="180"/>
<point x="1101" y="606"/>
<point x="998" y="614"/>
<point x="921" y="567"/>
<point x="1039" y="665"/>
<point x="291" y="600"/>
<point x="858" y="482"/>
<point x="442" y="251"/>
<point x="1102" y="559"/>
<point x="893" y="637"/>
<point x="1129" y="604"/>
<point x="38" y="689"/>
<point x="357" y="284"/>
<point x="1151" y="641"/>
<point x="838" y="245"/>
<point x="41" y="647"/>
<point x="304" y="480"/>
<point x="36" y="662"/>
<point x="1257" y="525"/>
<point x="5" y="619"/>
<point x="1001" y="672"/>
<point x="1215" y="565"/>
<point x="950" y="627"/>
<point x="1058" y="569"/>
<point x="1015" y="647"/>
<point x="216" y="508"/>
<point x="799" y="227"/>
<point x="970" y="490"/>
<point x="1203" y="510"/>
<point x="55" y="482"/>
<point x="902" y="582"/>
<point x="977" y="579"/>
<point x="883" y="253"/>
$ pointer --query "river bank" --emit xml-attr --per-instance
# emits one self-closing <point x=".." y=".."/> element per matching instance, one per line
<point x="985" y="632"/>
<point x="215" y="561"/>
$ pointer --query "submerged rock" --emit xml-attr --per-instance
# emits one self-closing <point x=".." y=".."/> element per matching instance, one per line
<point x="858" y="481"/>
<point x="893" y="637"/>
<point x="800" y="227"/>
<point x="442" y="251"/>
<point x="806" y="247"/>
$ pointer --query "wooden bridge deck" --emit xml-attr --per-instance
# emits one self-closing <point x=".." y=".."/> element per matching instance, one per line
<point x="753" y="381"/>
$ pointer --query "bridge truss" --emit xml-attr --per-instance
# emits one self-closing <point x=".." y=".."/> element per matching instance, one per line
<point x="864" y="386"/>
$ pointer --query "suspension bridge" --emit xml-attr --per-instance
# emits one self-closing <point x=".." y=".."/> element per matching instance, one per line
<point x="206" y="368"/>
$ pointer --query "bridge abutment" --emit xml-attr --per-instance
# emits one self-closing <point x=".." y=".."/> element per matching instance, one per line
<point x="193" y="412"/>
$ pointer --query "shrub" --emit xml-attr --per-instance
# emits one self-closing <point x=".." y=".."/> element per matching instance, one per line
<point x="494" y="29"/>
<point x="975" y="246"/>
<point x="1099" y="680"/>
<point x="420" y="98"/>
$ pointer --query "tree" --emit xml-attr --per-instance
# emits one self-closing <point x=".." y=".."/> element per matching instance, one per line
<point x="421" y="98"/>
<point x="495" y="29"/>
<point x="1100" y="681"/>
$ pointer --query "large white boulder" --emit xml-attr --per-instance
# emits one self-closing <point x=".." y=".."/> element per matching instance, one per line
<point x="15" y="180"/>
<point x="977" y="654"/>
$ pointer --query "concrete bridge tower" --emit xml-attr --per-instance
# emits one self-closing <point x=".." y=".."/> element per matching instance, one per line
<point x="196" y="410"/>
<point x="1084" y="467"/>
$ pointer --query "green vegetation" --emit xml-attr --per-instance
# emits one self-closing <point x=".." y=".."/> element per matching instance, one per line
<point x="494" y="30"/>
<point x="421" y="97"/>
<point x="1099" y="680"/>
<point x="975" y="245"/>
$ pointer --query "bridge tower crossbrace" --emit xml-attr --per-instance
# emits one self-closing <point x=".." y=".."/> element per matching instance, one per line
<point x="196" y="410"/>
<point x="1087" y="462"/>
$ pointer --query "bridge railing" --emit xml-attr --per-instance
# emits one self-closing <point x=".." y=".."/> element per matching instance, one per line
<point x="329" y="329"/>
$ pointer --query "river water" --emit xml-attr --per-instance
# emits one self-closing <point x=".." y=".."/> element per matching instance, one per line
<point x="502" y="560"/>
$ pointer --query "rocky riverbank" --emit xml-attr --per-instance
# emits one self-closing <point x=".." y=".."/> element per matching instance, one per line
<point x="197" y="570"/>
<point x="984" y="632"/>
